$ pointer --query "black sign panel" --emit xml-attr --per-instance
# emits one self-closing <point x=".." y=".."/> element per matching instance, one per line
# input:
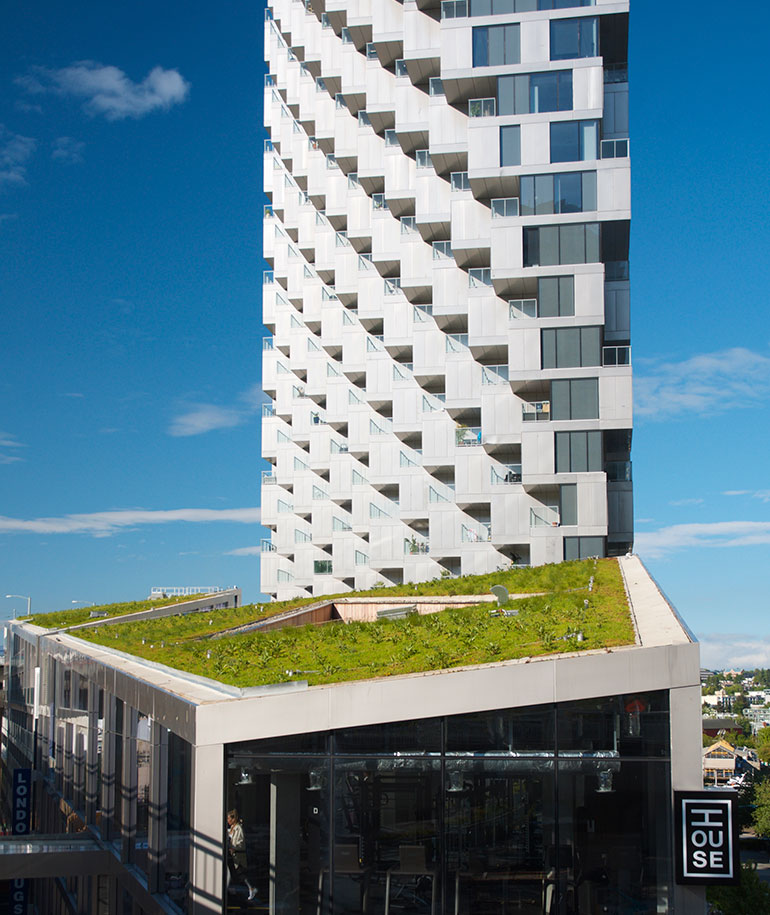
<point x="22" y="802"/>
<point x="707" y="837"/>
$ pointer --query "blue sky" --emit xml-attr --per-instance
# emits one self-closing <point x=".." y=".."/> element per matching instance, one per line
<point x="130" y="275"/>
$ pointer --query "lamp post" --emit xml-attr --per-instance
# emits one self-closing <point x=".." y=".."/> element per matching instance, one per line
<point x="22" y="597"/>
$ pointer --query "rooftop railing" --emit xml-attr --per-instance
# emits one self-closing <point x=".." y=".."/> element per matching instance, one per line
<point x="537" y="411"/>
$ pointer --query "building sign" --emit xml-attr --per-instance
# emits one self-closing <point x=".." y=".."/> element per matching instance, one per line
<point x="22" y="802"/>
<point x="707" y="837"/>
<point x="19" y="896"/>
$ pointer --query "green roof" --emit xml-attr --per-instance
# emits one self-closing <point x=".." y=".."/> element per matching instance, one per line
<point x="60" y="619"/>
<point x="564" y="616"/>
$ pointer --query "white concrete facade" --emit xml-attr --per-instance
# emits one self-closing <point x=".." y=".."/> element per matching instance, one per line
<point x="449" y="365"/>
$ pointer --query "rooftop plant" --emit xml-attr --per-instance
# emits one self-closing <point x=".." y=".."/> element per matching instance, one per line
<point x="59" y="619"/>
<point x="545" y="623"/>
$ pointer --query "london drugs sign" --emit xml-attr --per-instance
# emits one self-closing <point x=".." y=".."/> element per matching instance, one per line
<point x="707" y="837"/>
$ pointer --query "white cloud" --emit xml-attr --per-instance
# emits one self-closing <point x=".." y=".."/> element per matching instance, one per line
<point x="245" y="551"/>
<point x="9" y="441"/>
<point x="709" y="383"/>
<point x="15" y="152"/>
<point x="655" y="544"/>
<point x="67" y="150"/>
<point x="197" y="418"/>
<point x="9" y="458"/>
<point x="108" y="91"/>
<point x="725" y="650"/>
<point x="102" y="524"/>
<point x="680" y="502"/>
<point x="762" y="494"/>
<point x="8" y="217"/>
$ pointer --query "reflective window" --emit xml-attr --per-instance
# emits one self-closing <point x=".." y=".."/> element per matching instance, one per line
<point x="571" y="192"/>
<point x="579" y="452"/>
<point x="583" y="547"/>
<point x="574" y="38"/>
<point x="571" y="347"/>
<point x="496" y="45"/>
<point x="555" y="296"/>
<point x="529" y="93"/>
<point x="574" y="141"/>
<point x="568" y="244"/>
<point x="510" y="145"/>
<point x="575" y="398"/>
<point x="568" y="504"/>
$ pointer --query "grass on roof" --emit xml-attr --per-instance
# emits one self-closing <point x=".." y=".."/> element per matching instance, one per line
<point x="336" y="652"/>
<point x="59" y="619"/>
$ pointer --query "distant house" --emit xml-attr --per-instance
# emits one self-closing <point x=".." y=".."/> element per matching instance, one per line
<point x="717" y="727"/>
<point x="723" y="762"/>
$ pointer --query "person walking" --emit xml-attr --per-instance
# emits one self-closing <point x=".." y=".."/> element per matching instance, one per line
<point x="236" y="852"/>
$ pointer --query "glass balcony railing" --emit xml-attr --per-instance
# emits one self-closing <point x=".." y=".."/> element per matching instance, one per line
<point x="539" y="411"/>
<point x="618" y="471"/>
<point x="505" y="206"/>
<point x="506" y="474"/>
<point x="481" y="532"/>
<point x="267" y="546"/>
<point x="268" y="409"/>
<point x="545" y="516"/>
<point x="614" y="149"/>
<point x="494" y="374"/>
<point x="456" y="343"/>
<point x="415" y="547"/>
<point x="482" y="108"/>
<point x="522" y="308"/>
<point x="468" y="436"/>
<point x="616" y="355"/>
<point x="269" y="477"/>
<point x="454" y="9"/>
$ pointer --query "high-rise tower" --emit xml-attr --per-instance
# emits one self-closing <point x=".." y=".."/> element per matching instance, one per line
<point x="449" y="299"/>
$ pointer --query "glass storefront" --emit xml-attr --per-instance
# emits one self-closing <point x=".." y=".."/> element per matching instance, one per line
<point x="549" y="809"/>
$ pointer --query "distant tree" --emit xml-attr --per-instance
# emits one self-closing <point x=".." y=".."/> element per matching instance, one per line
<point x="761" y="801"/>
<point x="711" y="685"/>
<point x="750" y="897"/>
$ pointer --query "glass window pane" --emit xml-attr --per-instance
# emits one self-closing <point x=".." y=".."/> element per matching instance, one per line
<point x="544" y="92"/>
<point x="413" y="736"/>
<point x="512" y="53"/>
<point x="496" y="45"/>
<point x="503" y="6"/>
<point x="549" y="245"/>
<point x="568" y="504"/>
<point x="510" y="145"/>
<point x="521" y="94"/>
<point x="572" y="240"/>
<point x="590" y="346"/>
<point x="566" y="295"/>
<point x="527" y="196"/>
<point x="594" y="445"/>
<point x="567" y="347"/>
<point x="578" y="452"/>
<point x="584" y="398"/>
<point x="531" y="247"/>
<point x="571" y="548"/>
<point x="569" y="192"/>
<point x="481" y="47"/>
<point x="565" y="39"/>
<point x="560" y="399"/>
<point x="565" y="90"/>
<point x="481" y="7"/>
<point x="549" y="348"/>
<point x="512" y="730"/>
<point x="505" y="100"/>
<point x="563" y="459"/>
<point x="589" y="37"/>
<point x="565" y="146"/>
<point x="589" y="191"/>
<point x="544" y="194"/>
<point x="589" y="140"/>
<point x="548" y="296"/>
<point x="592" y="243"/>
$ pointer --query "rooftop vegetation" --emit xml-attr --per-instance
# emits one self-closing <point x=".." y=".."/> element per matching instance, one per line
<point x="60" y="619"/>
<point x="545" y="623"/>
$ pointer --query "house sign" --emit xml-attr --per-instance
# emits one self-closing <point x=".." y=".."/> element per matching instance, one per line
<point x="706" y="838"/>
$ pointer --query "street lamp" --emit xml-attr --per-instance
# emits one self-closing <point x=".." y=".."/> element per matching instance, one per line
<point x="22" y="597"/>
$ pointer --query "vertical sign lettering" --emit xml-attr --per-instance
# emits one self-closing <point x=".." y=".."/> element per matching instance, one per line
<point x="707" y="837"/>
<point x="22" y="802"/>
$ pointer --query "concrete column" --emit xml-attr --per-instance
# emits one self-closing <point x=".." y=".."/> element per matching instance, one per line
<point x="208" y="829"/>
<point x="92" y="755"/>
<point x="687" y="775"/>
<point x="156" y="833"/>
<point x="285" y="838"/>
<point x="128" y="795"/>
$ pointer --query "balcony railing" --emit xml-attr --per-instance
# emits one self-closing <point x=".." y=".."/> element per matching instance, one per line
<point x="505" y="206"/>
<point x="416" y="547"/>
<point x="456" y="343"/>
<point x="616" y="271"/>
<point x="494" y="374"/>
<point x="538" y="411"/>
<point x="507" y="474"/>
<point x="267" y="343"/>
<point x="616" y="355"/>
<point x="454" y="9"/>
<point x="269" y="477"/>
<point x="468" y="436"/>
<point x="546" y="516"/>
<point x="479" y="276"/>
<point x="482" y="108"/>
<point x="522" y="308"/>
<point x="267" y="546"/>
<point x="618" y="471"/>
<point x="614" y="149"/>
<point x="268" y="409"/>
<point x="481" y="533"/>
